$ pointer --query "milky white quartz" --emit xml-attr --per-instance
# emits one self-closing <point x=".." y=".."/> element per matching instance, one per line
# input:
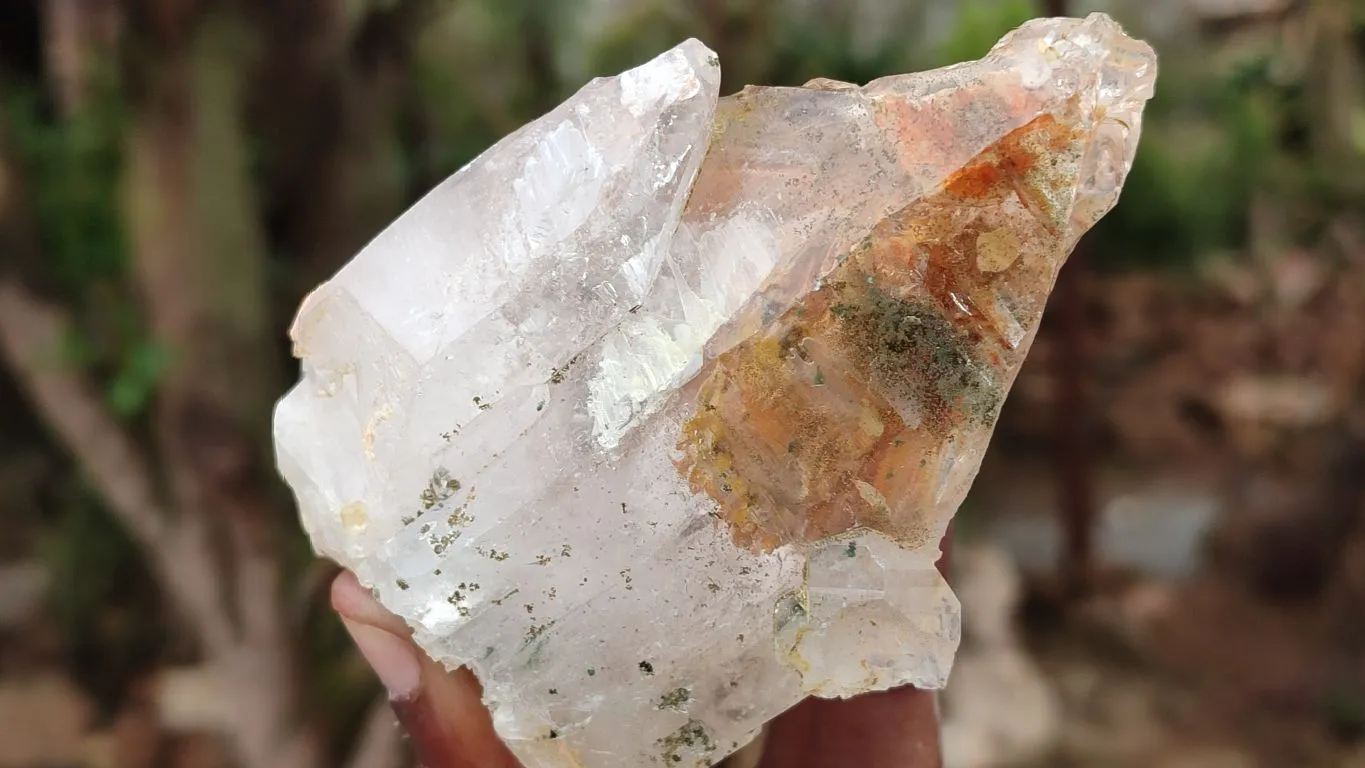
<point x="494" y="390"/>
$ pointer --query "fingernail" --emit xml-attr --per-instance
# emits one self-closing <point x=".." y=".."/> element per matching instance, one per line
<point x="392" y="658"/>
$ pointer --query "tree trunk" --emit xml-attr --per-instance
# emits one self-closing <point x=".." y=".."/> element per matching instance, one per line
<point x="1075" y="491"/>
<point x="332" y="145"/>
<point x="199" y="256"/>
<point x="1333" y="85"/>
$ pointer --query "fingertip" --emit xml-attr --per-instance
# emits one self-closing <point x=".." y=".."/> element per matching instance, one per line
<point x="351" y="600"/>
<point x="394" y="659"/>
<point x="441" y="710"/>
<point x="344" y="587"/>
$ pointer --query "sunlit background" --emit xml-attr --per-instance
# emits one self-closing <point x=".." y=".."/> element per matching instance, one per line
<point x="1162" y="563"/>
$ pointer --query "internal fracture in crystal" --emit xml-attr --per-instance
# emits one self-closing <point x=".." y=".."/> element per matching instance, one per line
<point x="655" y="413"/>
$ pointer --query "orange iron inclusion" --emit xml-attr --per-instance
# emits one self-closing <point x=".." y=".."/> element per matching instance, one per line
<point x="851" y="408"/>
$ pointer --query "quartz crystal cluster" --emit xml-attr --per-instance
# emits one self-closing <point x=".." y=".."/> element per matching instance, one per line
<point x="655" y="413"/>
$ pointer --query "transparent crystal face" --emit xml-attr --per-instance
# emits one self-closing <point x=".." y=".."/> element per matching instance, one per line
<point x="655" y="413"/>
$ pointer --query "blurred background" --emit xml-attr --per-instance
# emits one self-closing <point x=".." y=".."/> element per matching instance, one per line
<point x="1162" y="563"/>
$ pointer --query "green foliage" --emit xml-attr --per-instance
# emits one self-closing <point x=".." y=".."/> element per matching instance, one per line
<point x="980" y="24"/>
<point x="455" y="114"/>
<point x="133" y="384"/>
<point x="1187" y="194"/>
<point x="1343" y="710"/>
<point x="635" y="36"/>
<point x="1212" y="143"/>
<point x="73" y="168"/>
<point x="808" y="49"/>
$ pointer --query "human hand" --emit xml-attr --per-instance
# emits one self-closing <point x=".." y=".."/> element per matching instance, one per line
<point x="450" y="728"/>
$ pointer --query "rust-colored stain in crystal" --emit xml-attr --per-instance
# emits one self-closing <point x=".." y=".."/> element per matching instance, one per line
<point x="1012" y="166"/>
<point x="844" y="412"/>
<point x="982" y="177"/>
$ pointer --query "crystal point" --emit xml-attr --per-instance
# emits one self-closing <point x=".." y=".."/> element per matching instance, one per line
<point x="654" y="414"/>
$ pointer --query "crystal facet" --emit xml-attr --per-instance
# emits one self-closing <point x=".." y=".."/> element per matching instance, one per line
<point x="654" y="414"/>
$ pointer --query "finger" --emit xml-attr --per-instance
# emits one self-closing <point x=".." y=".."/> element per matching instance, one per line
<point x="381" y="637"/>
<point x="442" y="711"/>
<point x="448" y="723"/>
<point x="355" y="603"/>
<point x="897" y="727"/>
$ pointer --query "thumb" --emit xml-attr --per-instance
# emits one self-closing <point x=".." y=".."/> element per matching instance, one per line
<point x="441" y="710"/>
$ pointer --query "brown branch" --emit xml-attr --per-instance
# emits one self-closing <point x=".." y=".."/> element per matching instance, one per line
<point x="31" y="332"/>
<point x="31" y="335"/>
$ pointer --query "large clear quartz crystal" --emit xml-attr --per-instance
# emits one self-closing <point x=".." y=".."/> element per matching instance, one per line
<point x="655" y="413"/>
